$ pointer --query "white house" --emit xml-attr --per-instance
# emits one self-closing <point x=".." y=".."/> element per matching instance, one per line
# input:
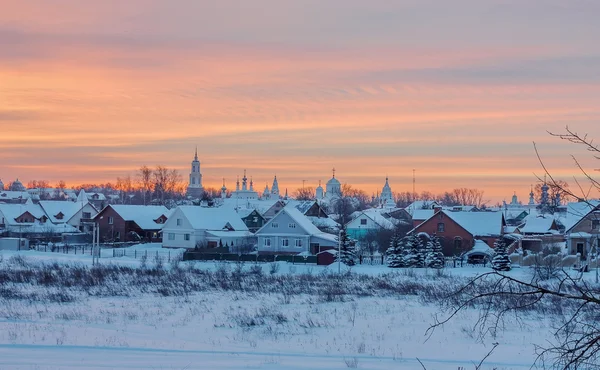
<point x="78" y="214"/>
<point x="191" y="226"/>
<point x="370" y="220"/>
<point x="290" y="232"/>
<point x="29" y="220"/>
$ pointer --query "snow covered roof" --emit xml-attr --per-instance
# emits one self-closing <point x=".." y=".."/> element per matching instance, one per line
<point x="421" y="204"/>
<point x="478" y="223"/>
<point x="376" y="216"/>
<point x="14" y="195"/>
<point x="216" y="219"/>
<point x="326" y="236"/>
<point x="261" y="205"/>
<point x="422" y="214"/>
<point x="481" y="247"/>
<point x="38" y="228"/>
<point x="323" y="222"/>
<point x="576" y="211"/>
<point x="13" y="211"/>
<point x="303" y="205"/>
<point x="54" y="207"/>
<point x="143" y="216"/>
<point x="230" y="234"/>
<point x="297" y="216"/>
<point x="539" y="225"/>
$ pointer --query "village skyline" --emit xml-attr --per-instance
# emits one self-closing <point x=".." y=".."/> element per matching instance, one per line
<point x="91" y="92"/>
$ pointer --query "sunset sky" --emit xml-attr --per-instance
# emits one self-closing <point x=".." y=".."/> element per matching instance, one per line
<point x="457" y="90"/>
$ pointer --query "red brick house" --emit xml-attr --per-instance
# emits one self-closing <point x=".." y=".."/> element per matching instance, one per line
<point x="125" y="223"/>
<point x="458" y="231"/>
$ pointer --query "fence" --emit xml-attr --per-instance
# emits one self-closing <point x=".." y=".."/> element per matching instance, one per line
<point x="65" y="249"/>
<point x="375" y="260"/>
<point x="234" y="257"/>
<point x="167" y="255"/>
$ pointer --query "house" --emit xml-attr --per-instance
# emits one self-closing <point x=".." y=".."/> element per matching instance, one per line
<point x="252" y="218"/>
<point x="367" y="221"/>
<point x="14" y="196"/>
<point x="421" y="215"/>
<point x="193" y="226"/>
<point x="78" y="214"/>
<point x="317" y="215"/>
<point x="124" y="223"/>
<point x="290" y="232"/>
<point x="421" y="204"/>
<point x="29" y="221"/>
<point x="583" y="227"/>
<point x="458" y="231"/>
<point x="274" y="209"/>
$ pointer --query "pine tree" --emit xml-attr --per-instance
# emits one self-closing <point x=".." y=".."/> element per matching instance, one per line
<point x="435" y="257"/>
<point x="410" y="257"/>
<point x="395" y="252"/>
<point x="347" y="252"/>
<point x="500" y="262"/>
<point x="421" y="250"/>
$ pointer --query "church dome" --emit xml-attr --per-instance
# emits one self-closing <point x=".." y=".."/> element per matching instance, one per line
<point x="17" y="186"/>
<point x="333" y="181"/>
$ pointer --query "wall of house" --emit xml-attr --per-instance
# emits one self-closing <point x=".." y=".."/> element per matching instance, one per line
<point x="357" y="230"/>
<point x="450" y="237"/>
<point x="173" y="235"/>
<point x="110" y="232"/>
<point x="277" y="243"/>
<point x="75" y="221"/>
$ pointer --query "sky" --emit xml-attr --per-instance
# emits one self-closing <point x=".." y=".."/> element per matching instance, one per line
<point x="457" y="90"/>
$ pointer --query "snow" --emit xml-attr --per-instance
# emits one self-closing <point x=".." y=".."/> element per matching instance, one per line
<point x="143" y="216"/>
<point x="13" y="211"/>
<point x="301" y="220"/>
<point x="481" y="247"/>
<point x="576" y="211"/>
<point x="422" y="214"/>
<point x="202" y="218"/>
<point x="54" y="207"/>
<point x="538" y="225"/>
<point x="203" y="331"/>
<point x="478" y="223"/>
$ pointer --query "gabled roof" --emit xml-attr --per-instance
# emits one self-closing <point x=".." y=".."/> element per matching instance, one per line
<point x="143" y="216"/>
<point x="376" y="216"/>
<point x="13" y="211"/>
<point x="539" y="225"/>
<point x="7" y="194"/>
<point x="216" y="219"/>
<point x="478" y="223"/>
<point x="475" y="223"/>
<point x="301" y="220"/>
<point x="422" y="214"/>
<point x="421" y="204"/>
<point x="577" y="211"/>
<point x="53" y="207"/>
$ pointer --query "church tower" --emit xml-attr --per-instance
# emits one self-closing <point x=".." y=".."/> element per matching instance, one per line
<point x="387" y="198"/>
<point x="531" y="197"/>
<point x="319" y="192"/>
<point x="195" y="188"/>
<point x="275" y="188"/>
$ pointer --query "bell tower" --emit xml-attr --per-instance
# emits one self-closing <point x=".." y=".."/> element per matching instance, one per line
<point x="195" y="188"/>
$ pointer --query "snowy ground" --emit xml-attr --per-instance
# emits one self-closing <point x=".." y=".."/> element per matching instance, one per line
<point x="245" y="330"/>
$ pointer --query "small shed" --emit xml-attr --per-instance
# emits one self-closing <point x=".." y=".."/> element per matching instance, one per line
<point x="326" y="257"/>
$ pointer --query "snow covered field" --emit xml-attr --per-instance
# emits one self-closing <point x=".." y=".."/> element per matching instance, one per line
<point x="270" y="327"/>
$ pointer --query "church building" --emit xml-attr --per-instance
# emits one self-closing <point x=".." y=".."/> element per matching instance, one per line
<point x="195" y="189"/>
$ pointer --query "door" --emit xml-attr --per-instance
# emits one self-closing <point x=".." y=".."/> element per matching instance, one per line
<point x="581" y="250"/>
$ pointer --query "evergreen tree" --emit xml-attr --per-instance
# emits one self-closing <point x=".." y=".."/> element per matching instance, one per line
<point x="395" y="252"/>
<point x="435" y="257"/>
<point x="500" y="262"/>
<point x="421" y="249"/>
<point x="347" y="252"/>
<point x="410" y="257"/>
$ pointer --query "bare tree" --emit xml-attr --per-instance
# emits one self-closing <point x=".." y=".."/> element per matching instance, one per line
<point x="144" y="177"/>
<point x="571" y="300"/>
<point x="304" y="193"/>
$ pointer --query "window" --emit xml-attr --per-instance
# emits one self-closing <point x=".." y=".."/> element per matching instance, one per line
<point x="86" y="215"/>
<point x="285" y="242"/>
<point x="292" y="225"/>
<point x="118" y="235"/>
<point x="179" y="222"/>
<point x="441" y="227"/>
<point x="186" y="237"/>
<point x="298" y="243"/>
<point x="267" y="242"/>
<point x="363" y="221"/>
<point x="111" y="220"/>
<point x="274" y="225"/>
<point x="595" y="224"/>
<point x="171" y="236"/>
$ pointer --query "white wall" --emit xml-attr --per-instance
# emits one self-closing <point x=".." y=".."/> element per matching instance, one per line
<point x="179" y="231"/>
